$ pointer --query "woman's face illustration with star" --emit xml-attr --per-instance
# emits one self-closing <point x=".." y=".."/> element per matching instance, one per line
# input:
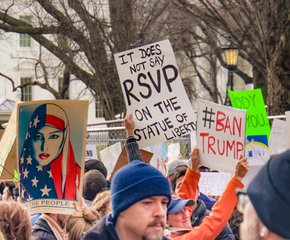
<point x="47" y="144"/>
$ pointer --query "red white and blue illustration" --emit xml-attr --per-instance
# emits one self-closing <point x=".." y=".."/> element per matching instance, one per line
<point x="49" y="164"/>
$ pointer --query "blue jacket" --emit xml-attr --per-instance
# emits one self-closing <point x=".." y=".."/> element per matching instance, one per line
<point x="42" y="231"/>
<point x="104" y="230"/>
<point x="200" y="212"/>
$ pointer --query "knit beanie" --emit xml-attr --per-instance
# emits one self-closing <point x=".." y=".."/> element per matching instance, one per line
<point x="91" y="164"/>
<point x="134" y="182"/>
<point x="269" y="194"/>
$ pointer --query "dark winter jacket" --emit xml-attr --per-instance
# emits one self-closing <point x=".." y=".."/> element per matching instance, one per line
<point x="200" y="212"/>
<point x="42" y="231"/>
<point x="105" y="230"/>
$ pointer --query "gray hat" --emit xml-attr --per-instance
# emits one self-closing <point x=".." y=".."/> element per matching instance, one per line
<point x="171" y="166"/>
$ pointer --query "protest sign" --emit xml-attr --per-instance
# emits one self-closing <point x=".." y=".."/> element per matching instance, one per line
<point x="109" y="157"/>
<point x="257" y="150"/>
<point x="278" y="137"/>
<point x="253" y="102"/>
<point x="192" y="141"/>
<point x="91" y="151"/>
<point x="50" y="152"/>
<point x="123" y="160"/>
<point x="173" y="152"/>
<point x="158" y="159"/>
<point x="154" y="93"/>
<point x="193" y="136"/>
<point x="213" y="183"/>
<point x="220" y="135"/>
<point x="8" y="159"/>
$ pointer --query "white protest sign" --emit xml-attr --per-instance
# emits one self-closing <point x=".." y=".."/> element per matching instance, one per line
<point x="154" y="93"/>
<point x="192" y="140"/>
<point x="91" y="151"/>
<point x="277" y="142"/>
<point x="173" y="152"/>
<point x="193" y="136"/>
<point x="109" y="157"/>
<point x="213" y="183"/>
<point x="220" y="135"/>
<point x="159" y="158"/>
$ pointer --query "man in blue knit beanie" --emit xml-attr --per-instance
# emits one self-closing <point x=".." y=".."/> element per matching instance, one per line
<point x="140" y="195"/>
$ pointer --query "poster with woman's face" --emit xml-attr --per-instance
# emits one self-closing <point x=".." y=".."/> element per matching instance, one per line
<point x="51" y="150"/>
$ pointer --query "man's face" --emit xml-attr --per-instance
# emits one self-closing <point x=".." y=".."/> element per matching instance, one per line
<point x="145" y="219"/>
<point x="180" y="219"/>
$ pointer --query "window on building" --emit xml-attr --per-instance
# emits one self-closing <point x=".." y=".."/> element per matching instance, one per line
<point x="25" y="39"/>
<point x="26" y="94"/>
<point x="99" y="109"/>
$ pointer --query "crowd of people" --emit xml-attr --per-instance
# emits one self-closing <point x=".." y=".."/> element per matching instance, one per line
<point x="141" y="203"/>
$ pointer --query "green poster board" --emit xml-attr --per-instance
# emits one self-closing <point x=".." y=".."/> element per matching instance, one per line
<point x="252" y="100"/>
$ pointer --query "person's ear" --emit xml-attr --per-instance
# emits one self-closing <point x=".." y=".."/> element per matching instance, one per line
<point x="264" y="233"/>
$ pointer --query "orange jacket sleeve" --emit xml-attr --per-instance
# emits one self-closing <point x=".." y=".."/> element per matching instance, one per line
<point x="189" y="185"/>
<point x="212" y="225"/>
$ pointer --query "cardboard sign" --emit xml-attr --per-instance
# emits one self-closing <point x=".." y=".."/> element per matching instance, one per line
<point x="109" y="156"/>
<point x="220" y="135"/>
<point x="8" y="159"/>
<point x="253" y="102"/>
<point x="154" y="93"/>
<point x="278" y="137"/>
<point x="123" y="160"/>
<point x="50" y="152"/>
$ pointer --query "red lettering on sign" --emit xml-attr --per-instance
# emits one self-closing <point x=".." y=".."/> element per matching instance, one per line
<point x="227" y="124"/>
<point x="227" y="148"/>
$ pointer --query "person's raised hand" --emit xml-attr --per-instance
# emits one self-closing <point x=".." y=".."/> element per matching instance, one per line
<point x="79" y="205"/>
<point x="242" y="168"/>
<point x="195" y="161"/>
<point x="129" y="125"/>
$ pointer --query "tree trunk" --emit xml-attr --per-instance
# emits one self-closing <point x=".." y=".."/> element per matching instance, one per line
<point x="275" y="92"/>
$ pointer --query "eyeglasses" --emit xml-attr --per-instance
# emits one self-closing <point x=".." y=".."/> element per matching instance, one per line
<point x="243" y="200"/>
